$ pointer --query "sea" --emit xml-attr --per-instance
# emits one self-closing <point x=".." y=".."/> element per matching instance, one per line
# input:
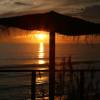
<point x="16" y="85"/>
<point x="27" y="53"/>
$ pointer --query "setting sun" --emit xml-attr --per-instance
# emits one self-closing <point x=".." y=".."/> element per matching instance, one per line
<point x="40" y="36"/>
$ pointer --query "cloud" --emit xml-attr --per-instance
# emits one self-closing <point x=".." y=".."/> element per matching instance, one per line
<point x="21" y="4"/>
<point x="83" y="8"/>
<point x="91" y="13"/>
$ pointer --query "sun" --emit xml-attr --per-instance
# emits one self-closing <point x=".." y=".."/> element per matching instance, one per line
<point x="38" y="37"/>
<point x="41" y="35"/>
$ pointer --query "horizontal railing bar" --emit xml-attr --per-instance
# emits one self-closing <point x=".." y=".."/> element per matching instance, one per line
<point x="23" y="70"/>
<point x="75" y="70"/>
<point x="23" y="65"/>
<point x="47" y="64"/>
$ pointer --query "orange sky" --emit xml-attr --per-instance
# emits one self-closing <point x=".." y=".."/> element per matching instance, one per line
<point x="41" y="36"/>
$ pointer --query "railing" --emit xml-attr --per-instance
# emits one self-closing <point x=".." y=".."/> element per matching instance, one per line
<point x="33" y="80"/>
<point x="70" y="83"/>
<point x="79" y="84"/>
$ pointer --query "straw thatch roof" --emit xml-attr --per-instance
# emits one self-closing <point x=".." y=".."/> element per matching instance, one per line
<point x="52" y="21"/>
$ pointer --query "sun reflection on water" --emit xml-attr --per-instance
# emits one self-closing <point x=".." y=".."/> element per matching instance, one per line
<point x="41" y="53"/>
<point x="42" y="77"/>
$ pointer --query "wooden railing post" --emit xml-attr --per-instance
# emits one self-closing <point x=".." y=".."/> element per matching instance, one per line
<point x="82" y="85"/>
<point x="33" y="85"/>
<point x="52" y="66"/>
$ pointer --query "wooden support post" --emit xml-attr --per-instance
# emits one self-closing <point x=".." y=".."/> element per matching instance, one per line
<point x="33" y="85"/>
<point x="51" y="65"/>
<point x="82" y="85"/>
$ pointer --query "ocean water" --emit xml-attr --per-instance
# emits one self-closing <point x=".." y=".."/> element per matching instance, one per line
<point x="28" y="53"/>
<point x="16" y="85"/>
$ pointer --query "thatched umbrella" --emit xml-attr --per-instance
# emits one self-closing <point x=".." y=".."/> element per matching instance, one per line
<point x="52" y="22"/>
